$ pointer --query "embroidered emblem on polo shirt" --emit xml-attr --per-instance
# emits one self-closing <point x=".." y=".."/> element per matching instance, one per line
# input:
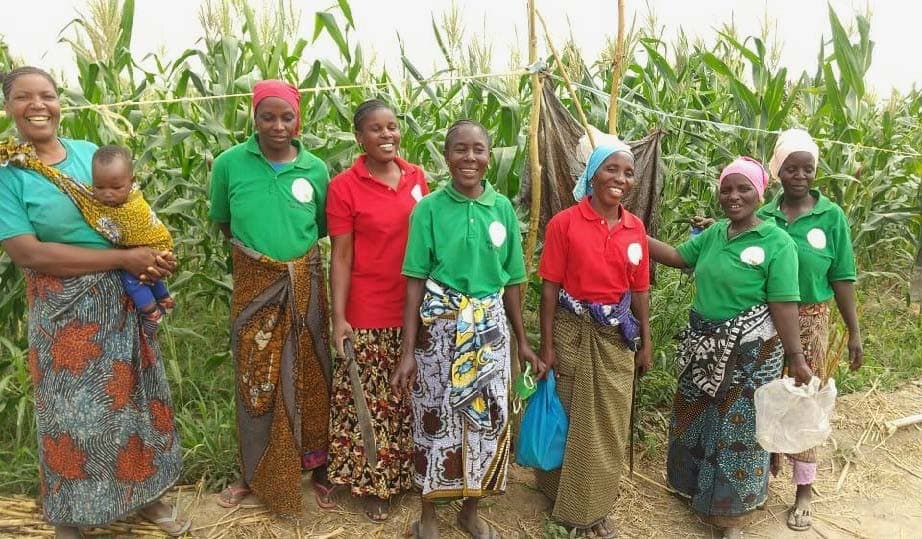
<point x="635" y="253"/>
<point x="302" y="190"/>
<point x="753" y="256"/>
<point x="497" y="233"/>
<point x="417" y="193"/>
<point x="817" y="238"/>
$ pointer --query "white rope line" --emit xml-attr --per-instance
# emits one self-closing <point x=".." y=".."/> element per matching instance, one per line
<point x="722" y="125"/>
<point x="478" y="76"/>
<point x="316" y="89"/>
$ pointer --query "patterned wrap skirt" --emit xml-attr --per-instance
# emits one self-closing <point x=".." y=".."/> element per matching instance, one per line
<point x="714" y="458"/>
<point x="595" y="371"/>
<point x="107" y="443"/>
<point x="814" y="338"/>
<point x="452" y="457"/>
<point x="377" y="353"/>
<point x="279" y="340"/>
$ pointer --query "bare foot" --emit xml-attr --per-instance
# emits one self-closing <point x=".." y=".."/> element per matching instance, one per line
<point x="470" y="522"/>
<point x="733" y="533"/>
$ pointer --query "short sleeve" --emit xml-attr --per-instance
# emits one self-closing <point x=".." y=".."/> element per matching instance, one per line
<point x="417" y="262"/>
<point x="843" y="265"/>
<point x="553" y="263"/>
<point x="690" y="250"/>
<point x="640" y="277"/>
<point x="515" y="261"/>
<point x="219" y="192"/>
<point x="340" y="207"/>
<point x="781" y="283"/>
<point x="321" y="181"/>
<point x="14" y="221"/>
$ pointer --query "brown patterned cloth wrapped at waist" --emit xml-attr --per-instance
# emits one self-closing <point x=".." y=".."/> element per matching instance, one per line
<point x="279" y="341"/>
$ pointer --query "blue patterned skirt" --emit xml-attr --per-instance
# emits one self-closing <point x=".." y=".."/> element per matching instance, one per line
<point x="714" y="459"/>
<point x="107" y="443"/>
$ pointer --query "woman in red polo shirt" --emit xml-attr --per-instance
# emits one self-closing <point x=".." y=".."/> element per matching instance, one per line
<point x="595" y="333"/>
<point x="368" y="212"/>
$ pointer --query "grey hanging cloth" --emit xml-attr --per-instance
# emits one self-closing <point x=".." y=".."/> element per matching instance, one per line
<point x="563" y="158"/>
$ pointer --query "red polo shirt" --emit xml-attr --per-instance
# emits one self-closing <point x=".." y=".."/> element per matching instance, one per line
<point x="590" y="261"/>
<point x="378" y="217"/>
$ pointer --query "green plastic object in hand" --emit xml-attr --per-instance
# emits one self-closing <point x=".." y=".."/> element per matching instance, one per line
<point x="525" y="385"/>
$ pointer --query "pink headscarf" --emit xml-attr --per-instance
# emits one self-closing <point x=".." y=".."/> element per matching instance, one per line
<point x="282" y="90"/>
<point x="749" y="167"/>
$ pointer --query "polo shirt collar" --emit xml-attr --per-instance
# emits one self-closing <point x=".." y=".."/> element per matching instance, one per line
<point x="361" y="169"/>
<point x="822" y="205"/>
<point x="487" y="198"/>
<point x="302" y="160"/>
<point x="628" y="220"/>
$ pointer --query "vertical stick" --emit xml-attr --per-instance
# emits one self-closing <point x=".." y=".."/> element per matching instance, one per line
<point x="566" y="79"/>
<point x="617" y="73"/>
<point x="534" y="160"/>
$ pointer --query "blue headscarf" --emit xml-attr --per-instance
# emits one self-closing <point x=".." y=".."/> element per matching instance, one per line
<point x="606" y="148"/>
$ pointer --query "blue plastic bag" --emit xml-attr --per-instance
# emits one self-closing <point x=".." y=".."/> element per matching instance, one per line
<point x="543" y="433"/>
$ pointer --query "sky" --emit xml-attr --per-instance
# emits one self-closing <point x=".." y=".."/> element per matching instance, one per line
<point x="32" y="28"/>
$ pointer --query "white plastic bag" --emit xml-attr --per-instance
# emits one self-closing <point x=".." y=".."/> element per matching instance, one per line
<point x="791" y="419"/>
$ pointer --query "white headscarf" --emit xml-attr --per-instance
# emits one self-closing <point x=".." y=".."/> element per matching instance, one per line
<point x="790" y="141"/>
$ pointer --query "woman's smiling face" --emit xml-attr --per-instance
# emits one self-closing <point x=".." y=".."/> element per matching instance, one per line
<point x="34" y="105"/>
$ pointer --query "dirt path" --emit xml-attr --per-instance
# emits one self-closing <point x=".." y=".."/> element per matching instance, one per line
<point x="880" y="494"/>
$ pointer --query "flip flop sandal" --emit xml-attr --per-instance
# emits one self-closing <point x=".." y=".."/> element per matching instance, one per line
<point x="602" y="530"/>
<point x="322" y="496"/>
<point x="799" y="514"/>
<point x="491" y="531"/>
<point x="231" y="496"/>
<point x="164" y="523"/>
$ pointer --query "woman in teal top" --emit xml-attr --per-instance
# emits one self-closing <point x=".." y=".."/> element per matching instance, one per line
<point x="107" y="445"/>
<point x="826" y="269"/>
<point x="464" y="267"/>
<point x="742" y="327"/>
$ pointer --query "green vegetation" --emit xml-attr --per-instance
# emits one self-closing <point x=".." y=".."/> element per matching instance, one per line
<point x="734" y="81"/>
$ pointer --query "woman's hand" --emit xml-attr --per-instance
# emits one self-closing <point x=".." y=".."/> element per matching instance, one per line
<point x="798" y="369"/>
<point x="643" y="359"/>
<point x="404" y="376"/>
<point x="855" y="352"/>
<point x="529" y="355"/>
<point x="701" y="222"/>
<point x="342" y="330"/>
<point x="548" y="360"/>
<point x="145" y="263"/>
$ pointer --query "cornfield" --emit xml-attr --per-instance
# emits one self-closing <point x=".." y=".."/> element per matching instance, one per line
<point x="695" y="92"/>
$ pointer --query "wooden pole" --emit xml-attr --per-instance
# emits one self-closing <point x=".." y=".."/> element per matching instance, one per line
<point x="566" y="79"/>
<point x="534" y="159"/>
<point x="617" y="73"/>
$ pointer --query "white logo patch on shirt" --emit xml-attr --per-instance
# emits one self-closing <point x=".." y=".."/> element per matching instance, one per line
<point x="302" y="190"/>
<point x="817" y="238"/>
<point x="416" y="193"/>
<point x="497" y="233"/>
<point x="635" y="253"/>
<point x="753" y="256"/>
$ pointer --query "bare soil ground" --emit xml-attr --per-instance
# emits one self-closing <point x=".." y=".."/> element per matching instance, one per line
<point x="870" y="485"/>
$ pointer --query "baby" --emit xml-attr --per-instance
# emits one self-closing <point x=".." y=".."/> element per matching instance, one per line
<point x="129" y="223"/>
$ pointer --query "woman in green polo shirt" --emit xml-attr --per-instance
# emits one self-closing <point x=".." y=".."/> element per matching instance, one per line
<point x="464" y="266"/>
<point x="742" y="328"/>
<point x="267" y="195"/>
<point x="826" y="269"/>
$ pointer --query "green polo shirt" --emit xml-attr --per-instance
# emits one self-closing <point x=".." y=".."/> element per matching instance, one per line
<point x="824" y="246"/>
<point x="755" y="267"/>
<point x="471" y="245"/>
<point x="279" y="213"/>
